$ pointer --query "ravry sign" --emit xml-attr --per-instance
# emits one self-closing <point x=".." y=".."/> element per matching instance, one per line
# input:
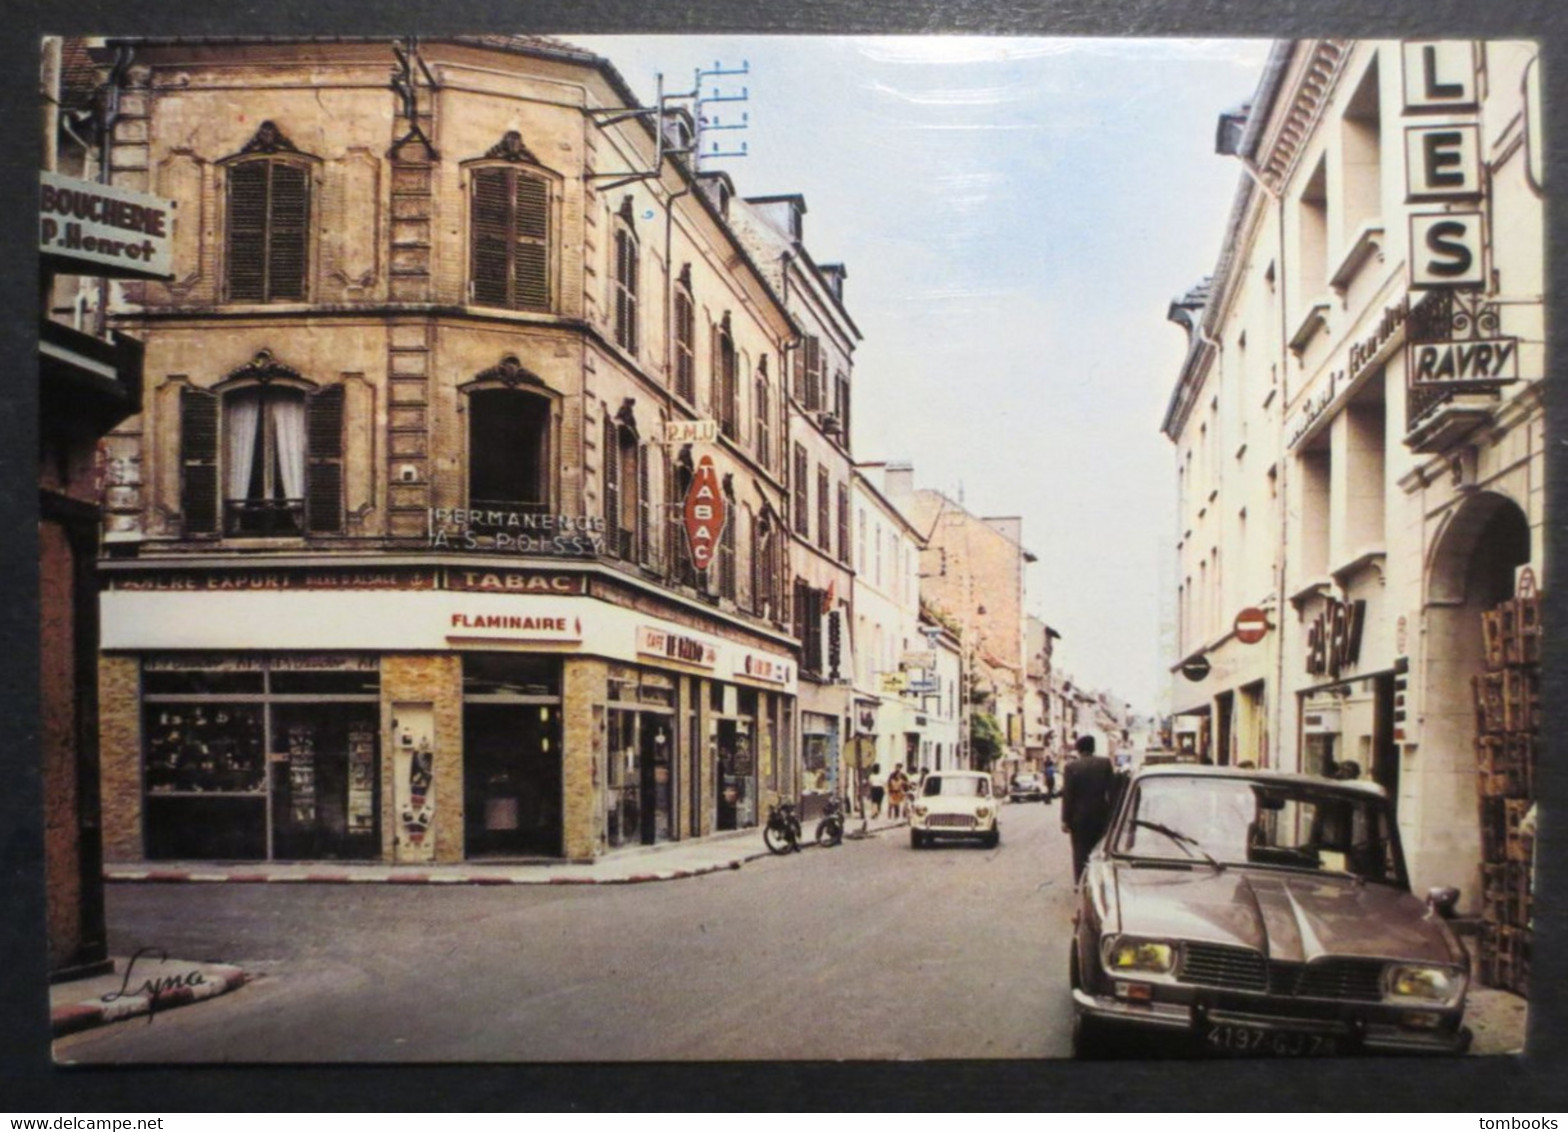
<point x="705" y="513"/>
<point x="90" y="229"/>
<point x="1486" y="361"/>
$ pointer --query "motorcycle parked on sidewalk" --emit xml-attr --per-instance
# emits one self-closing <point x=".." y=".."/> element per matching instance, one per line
<point x="782" y="833"/>
<point x="830" y="830"/>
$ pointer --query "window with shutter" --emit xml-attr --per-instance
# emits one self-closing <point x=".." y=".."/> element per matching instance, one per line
<point x="268" y="230"/>
<point x="843" y="523"/>
<point x="324" y="469"/>
<point x="801" y="493"/>
<point x="813" y="391"/>
<point x="626" y="257"/>
<point x="509" y="235"/>
<point x="726" y="377"/>
<point x="199" y="461"/>
<point x="764" y="409"/>
<point x="612" y="485"/>
<point x="727" y="555"/>
<point x="824" y="506"/>
<point x="685" y="347"/>
<point x="644" y="508"/>
<point x="677" y="553"/>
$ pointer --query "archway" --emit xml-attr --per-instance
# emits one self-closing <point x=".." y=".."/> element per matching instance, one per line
<point x="1470" y="569"/>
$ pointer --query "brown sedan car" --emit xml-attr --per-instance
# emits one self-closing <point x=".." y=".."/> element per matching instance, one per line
<point x="1259" y="913"/>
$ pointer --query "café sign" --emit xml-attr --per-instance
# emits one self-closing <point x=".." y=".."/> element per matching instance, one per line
<point x="766" y="668"/>
<point x="92" y="229"/>
<point x="676" y="646"/>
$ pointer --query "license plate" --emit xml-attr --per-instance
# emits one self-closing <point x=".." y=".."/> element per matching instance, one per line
<point x="1255" y="1041"/>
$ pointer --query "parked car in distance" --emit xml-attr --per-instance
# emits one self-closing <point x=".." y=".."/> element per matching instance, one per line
<point x="953" y="804"/>
<point x="1261" y="913"/>
<point x="1026" y="788"/>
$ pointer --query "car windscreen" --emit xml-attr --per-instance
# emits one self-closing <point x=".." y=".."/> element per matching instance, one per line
<point x="965" y="787"/>
<point x="1256" y="822"/>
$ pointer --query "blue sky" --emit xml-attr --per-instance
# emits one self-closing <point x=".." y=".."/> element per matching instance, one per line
<point x="1015" y="216"/>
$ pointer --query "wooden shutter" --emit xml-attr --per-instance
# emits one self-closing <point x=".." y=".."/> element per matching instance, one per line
<point x="489" y="223"/>
<point x="843" y="523"/>
<point x="644" y="509"/>
<point x="288" y="230"/>
<point x="764" y="432"/>
<point x="802" y="493"/>
<point x="531" y="263"/>
<point x="199" y="461"/>
<point x="685" y="332"/>
<point x="247" y="231"/>
<point x="324" y="461"/>
<point x="612" y="486"/>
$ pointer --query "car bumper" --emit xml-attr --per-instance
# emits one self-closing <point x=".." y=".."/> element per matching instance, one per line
<point x="1369" y="1036"/>
<point x="979" y="829"/>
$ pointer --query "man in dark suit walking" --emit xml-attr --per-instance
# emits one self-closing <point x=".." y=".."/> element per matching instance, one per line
<point x="1088" y="793"/>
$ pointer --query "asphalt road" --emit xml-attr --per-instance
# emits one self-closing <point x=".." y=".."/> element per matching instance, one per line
<point x="870" y="950"/>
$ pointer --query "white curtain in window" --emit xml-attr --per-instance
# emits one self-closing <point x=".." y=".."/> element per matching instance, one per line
<point x="288" y="430"/>
<point x="241" y="416"/>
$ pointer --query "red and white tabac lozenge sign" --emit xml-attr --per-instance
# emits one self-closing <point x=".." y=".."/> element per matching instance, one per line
<point x="705" y="513"/>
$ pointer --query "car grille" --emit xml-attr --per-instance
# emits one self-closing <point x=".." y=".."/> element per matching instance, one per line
<point x="952" y="821"/>
<point x="1237" y="968"/>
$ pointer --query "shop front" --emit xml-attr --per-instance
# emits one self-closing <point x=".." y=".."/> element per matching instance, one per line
<point x="270" y="721"/>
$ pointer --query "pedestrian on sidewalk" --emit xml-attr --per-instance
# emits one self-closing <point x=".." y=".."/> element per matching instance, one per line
<point x="878" y="789"/>
<point x="897" y="787"/>
<point x="1088" y="793"/>
<point x="1050" y="779"/>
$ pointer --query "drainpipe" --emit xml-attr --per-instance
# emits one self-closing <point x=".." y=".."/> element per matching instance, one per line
<point x="123" y="55"/>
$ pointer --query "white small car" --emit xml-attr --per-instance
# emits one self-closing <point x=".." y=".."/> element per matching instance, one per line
<point x="955" y="803"/>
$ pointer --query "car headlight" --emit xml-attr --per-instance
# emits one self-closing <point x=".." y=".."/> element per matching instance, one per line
<point x="1415" y="982"/>
<point x="982" y="811"/>
<point x="1126" y="956"/>
<point x="920" y="811"/>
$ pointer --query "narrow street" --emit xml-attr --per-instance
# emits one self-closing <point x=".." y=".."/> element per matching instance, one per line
<point x="870" y="950"/>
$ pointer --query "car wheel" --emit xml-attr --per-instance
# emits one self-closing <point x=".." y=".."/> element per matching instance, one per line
<point x="916" y="839"/>
<point x="993" y="839"/>
<point x="1074" y="980"/>
<point x="1091" y="1041"/>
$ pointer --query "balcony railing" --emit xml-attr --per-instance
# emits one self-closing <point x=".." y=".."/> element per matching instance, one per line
<point x="263" y="517"/>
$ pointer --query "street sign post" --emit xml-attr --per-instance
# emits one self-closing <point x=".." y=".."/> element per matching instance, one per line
<point x="705" y="513"/>
<point x="1196" y="669"/>
<point x="1252" y="625"/>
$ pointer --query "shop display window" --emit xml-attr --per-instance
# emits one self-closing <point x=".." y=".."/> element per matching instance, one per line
<point x="250" y="757"/>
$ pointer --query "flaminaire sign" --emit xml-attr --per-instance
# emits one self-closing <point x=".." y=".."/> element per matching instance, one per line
<point x="86" y="228"/>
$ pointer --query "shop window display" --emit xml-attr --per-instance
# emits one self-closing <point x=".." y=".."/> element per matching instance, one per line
<point x="256" y="758"/>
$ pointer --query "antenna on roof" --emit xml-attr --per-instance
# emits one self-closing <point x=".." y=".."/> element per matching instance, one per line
<point x="708" y="122"/>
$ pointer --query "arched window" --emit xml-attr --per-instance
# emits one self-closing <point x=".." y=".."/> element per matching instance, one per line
<point x="267" y="220"/>
<point x="625" y="281"/>
<point x="262" y="455"/>
<point x="509" y="229"/>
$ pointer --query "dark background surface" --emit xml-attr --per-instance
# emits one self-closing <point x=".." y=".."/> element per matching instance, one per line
<point x="28" y="1081"/>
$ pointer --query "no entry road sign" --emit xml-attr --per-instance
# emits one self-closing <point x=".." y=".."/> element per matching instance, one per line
<point x="1196" y="669"/>
<point x="1252" y="624"/>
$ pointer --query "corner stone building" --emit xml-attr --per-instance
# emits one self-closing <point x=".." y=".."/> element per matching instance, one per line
<point x="395" y="565"/>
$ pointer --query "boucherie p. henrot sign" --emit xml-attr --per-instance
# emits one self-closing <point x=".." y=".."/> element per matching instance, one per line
<point x="85" y="228"/>
<point x="705" y="513"/>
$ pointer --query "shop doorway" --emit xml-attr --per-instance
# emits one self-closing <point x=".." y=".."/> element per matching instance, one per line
<point x="735" y="769"/>
<point x="511" y="780"/>
<point x="641" y="787"/>
<point x="324" y="796"/>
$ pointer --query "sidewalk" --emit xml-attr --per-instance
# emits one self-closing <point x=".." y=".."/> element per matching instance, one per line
<point x="139" y="986"/>
<point x="669" y="861"/>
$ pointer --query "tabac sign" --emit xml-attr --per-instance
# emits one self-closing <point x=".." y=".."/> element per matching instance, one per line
<point x="705" y="513"/>
<point x="92" y="229"/>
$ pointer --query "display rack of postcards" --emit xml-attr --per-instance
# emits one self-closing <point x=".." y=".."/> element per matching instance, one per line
<point x="361" y="781"/>
<point x="1508" y="729"/>
<point x="302" y="776"/>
